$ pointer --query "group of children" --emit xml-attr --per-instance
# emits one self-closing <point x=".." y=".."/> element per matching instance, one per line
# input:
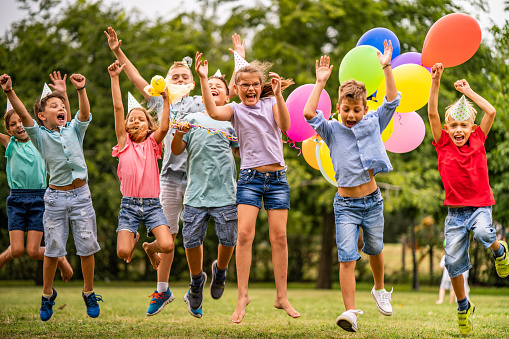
<point x="197" y="179"/>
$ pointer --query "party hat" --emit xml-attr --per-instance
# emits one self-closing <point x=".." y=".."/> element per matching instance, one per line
<point x="239" y="61"/>
<point x="45" y="91"/>
<point x="460" y="111"/>
<point x="218" y="73"/>
<point x="132" y="102"/>
<point x="188" y="61"/>
<point x="9" y="105"/>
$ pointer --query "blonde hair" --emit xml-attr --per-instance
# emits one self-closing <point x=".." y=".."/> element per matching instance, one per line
<point x="180" y="64"/>
<point x="152" y="124"/>
<point x="353" y="90"/>
<point x="471" y="109"/>
<point x="262" y="68"/>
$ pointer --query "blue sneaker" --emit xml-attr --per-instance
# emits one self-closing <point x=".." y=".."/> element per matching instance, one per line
<point x="198" y="313"/>
<point x="46" y="310"/>
<point x="92" y="305"/>
<point x="194" y="297"/>
<point x="159" y="300"/>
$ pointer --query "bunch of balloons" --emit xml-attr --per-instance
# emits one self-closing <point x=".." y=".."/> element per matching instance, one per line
<point x="452" y="40"/>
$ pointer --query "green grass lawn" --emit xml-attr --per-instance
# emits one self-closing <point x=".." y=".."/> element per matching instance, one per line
<point x="123" y="314"/>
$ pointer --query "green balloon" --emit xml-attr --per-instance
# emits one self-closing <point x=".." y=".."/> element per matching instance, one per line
<point x="362" y="64"/>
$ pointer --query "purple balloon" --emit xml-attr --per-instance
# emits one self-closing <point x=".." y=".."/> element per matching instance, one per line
<point x="300" y="129"/>
<point x="408" y="133"/>
<point x="408" y="58"/>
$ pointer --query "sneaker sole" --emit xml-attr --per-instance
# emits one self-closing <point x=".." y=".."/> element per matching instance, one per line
<point x="345" y="325"/>
<point x="189" y="309"/>
<point x="170" y="299"/>
<point x="379" y="308"/>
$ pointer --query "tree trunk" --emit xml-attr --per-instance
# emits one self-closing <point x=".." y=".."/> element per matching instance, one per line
<point x="415" y="278"/>
<point x="403" y="251"/>
<point x="431" y="264"/>
<point x="38" y="276"/>
<point x="325" y="269"/>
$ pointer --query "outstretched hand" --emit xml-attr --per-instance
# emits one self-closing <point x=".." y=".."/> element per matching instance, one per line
<point x="113" y="41"/>
<point x="6" y="82"/>
<point x="183" y="127"/>
<point x="323" y="70"/>
<point x="385" y="59"/>
<point x="58" y="82"/>
<point x="436" y="71"/>
<point x="275" y="82"/>
<point x="115" y="69"/>
<point x="202" y="71"/>
<point x="462" y="86"/>
<point x="238" y="46"/>
<point x="78" y="80"/>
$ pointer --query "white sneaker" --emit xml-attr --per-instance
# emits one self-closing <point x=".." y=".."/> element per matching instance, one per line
<point x="348" y="320"/>
<point x="383" y="301"/>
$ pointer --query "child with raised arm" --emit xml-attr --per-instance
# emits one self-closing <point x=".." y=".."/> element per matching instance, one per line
<point x="26" y="176"/>
<point x="463" y="168"/>
<point x="139" y="146"/>
<point x="210" y="192"/>
<point x="258" y="121"/>
<point x="358" y="154"/>
<point x="173" y="179"/>
<point x="67" y="200"/>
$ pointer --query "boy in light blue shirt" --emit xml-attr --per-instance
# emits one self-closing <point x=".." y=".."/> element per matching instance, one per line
<point x="357" y="154"/>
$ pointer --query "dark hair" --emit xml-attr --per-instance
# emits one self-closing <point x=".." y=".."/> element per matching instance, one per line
<point x="7" y="118"/>
<point x="224" y="82"/>
<point x="40" y="106"/>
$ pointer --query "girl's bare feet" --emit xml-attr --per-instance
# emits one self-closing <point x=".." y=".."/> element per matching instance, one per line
<point x="65" y="269"/>
<point x="240" y="310"/>
<point x="5" y="257"/>
<point x="153" y="256"/>
<point x="136" y="239"/>
<point x="284" y="304"/>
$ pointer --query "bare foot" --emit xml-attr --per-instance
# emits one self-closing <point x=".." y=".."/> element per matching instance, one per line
<point x="438" y="302"/>
<point x="65" y="269"/>
<point x="240" y="310"/>
<point x="5" y="257"/>
<point x="136" y="239"/>
<point x="285" y="305"/>
<point x="153" y="256"/>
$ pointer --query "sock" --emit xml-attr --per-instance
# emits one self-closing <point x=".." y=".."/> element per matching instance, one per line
<point x="162" y="287"/>
<point x="383" y="289"/>
<point x="220" y="274"/>
<point x="500" y="252"/>
<point x="46" y="296"/>
<point x="463" y="304"/>
<point x="87" y="294"/>
<point x="197" y="279"/>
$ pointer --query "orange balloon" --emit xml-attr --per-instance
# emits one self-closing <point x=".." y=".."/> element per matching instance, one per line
<point x="309" y="152"/>
<point x="452" y="40"/>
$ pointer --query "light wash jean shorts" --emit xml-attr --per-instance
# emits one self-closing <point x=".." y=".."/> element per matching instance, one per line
<point x="173" y="188"/>
<point x="136" y="210"/>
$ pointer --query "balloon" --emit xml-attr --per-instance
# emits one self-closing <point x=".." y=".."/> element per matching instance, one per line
<point x="387" y="132"/>
<point x="408" y="58"/>
<point x="158" y="84"/>
<point x="299" y="128"/>
<point x="414" y="83"/>
<point x="452" y="40"/>
<point x="375" y="37"/>
<point x="408" y="133"/>
<point x="362" y="64"/>
<point x="373" y="105"/>
<point x="330" y="177"/>
<point x="309" y="152"/>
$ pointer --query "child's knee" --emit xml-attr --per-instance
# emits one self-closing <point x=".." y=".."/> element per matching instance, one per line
<point x="166" y="246"/>
<point x="123" y="253"/>
<point x="279" y="239"/>
<point x="17" y="251"/>
<point x="33" y="253"/>
<point x="245" y="237"/>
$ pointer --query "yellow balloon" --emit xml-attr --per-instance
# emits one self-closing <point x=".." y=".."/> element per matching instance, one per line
<point x="158" y="84"/>
<point x="386" y="134"/>
<point x="309" y="152"/>
<point x="414" y="83"/>
<point x="326" y="162"/>
<point x="373" y="105"/>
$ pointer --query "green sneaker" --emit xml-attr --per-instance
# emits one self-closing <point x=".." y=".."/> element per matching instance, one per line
<point x="464" y="321"/>
<point x="502" y="263"/>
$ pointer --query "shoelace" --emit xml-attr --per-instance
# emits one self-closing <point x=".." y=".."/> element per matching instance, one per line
<point x="92" y="299"/>
<point x="156" y="296"/>
<point x="46" y="305"/>
<point x="355" y="312"/>
<point x="386" y="296"/>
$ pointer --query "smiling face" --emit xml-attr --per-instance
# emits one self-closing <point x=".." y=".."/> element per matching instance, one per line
<point x="219" y="91"/>
<point x="459" y="131"/>
<point x="137" y="125"/>
<point x="15" y="128"/>
<point x="351" y="111"/>
<point x="249" y="88"/>
<point x="53" y="114"/>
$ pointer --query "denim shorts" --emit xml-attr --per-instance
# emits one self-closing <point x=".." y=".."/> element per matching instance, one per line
<point x="25" y="210"/>
<point x="136" y="210"/>
<point x="271" y="186"/>
<point x="69" y="208"/>
<point x="352" y="213"/>
<point x="173" y="188"/>
<point x="458" y="224"/>
<point x="195" y="220"/>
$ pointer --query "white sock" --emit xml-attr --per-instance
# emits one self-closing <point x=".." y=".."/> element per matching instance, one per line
<point x="162" y="287"/>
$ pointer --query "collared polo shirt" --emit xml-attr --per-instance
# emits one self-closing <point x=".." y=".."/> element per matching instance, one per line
<point x="25" y="167"/>
<point x="356" y="150"/>
<point x="62" y="150"/>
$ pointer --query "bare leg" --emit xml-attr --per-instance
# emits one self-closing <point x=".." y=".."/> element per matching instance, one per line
<point x="34" y="249"/>
<point x="451" y="295"/>
<point x="162" y="244"/>
<point x="195" y="259"/>
<point x="459" y="286"/>
<point x="246" y="232"/>
<point x="347" y="283"/>
<point x="5" y="257"/>
<point x="163" y="272"/>
<point x="87" y="268"/>
<point x="17" y="239"/>
<point x="377" y="266"/>
<point x="224" y="254"/>
<point x="441" y="295"/>
<point x="48" y="274"/>
<point x="126" y="243"/>
<point x="278" y="241"/>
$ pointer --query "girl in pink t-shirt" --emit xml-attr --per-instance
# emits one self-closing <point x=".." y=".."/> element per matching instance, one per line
<point x="258" y="122"/>
<point x="139" y="147"/>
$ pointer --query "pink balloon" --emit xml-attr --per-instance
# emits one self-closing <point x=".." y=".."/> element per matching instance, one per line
<point x="408" y="133"/>
<point x="300" y="129"/>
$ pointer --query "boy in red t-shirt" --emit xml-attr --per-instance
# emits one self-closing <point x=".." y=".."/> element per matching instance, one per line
<point x="464" y="171"/>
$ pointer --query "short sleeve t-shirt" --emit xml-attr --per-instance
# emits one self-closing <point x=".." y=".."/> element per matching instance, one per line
<point x="25" y="167"/>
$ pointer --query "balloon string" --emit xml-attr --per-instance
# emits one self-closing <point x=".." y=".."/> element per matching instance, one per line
<point x="210" y="130"/>
<point x="291" y="143"/>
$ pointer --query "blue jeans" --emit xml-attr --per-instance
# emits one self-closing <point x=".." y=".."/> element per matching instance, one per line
<point x="25" y="210"/>
<point x="69" y="208"/>
<point x="352" y="213"/>
<point x="195" y="220"/>
<point x="458" y="224"/>
<point x="136" y="210"/>
<point x="272" y="187"/>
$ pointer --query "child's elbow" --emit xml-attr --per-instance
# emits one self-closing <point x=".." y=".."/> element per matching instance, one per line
<point x="308" y="115"/>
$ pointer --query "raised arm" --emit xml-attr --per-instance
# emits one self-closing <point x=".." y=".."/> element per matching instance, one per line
<point x="239" y="48"/>
<point x="164" y="123"/>
<point x="223" y="113"/>
<point x="6" y="83"/>
<point x="78" y="81"/>
<point x="385" y="60"/>
<point x="279" y="110"/>
<point x="178" y="145"/>
<point x="60" y="85"/>
<point x="130" y="70"/>
<point x="462" y="86"/>
<point x="114" y="70"/>
<point x="323" y="72"/>
<point x="434" y="117"/>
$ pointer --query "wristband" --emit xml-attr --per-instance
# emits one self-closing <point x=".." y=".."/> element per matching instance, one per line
<point x="79" y="89"/>
<point x="9" y="90"/>
<point x="385" y="66"/>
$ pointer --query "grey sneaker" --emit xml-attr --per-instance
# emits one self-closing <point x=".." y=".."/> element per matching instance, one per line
<point x="216" y="285"/>
<point x="195" y="294"/>
<point x="348" y="320"/>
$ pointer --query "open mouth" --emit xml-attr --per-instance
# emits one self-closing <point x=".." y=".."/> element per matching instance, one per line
<point x="61" y="117"/>
<point x="459" y="138"/>
<point x="251" y="96"/>
<point x="350" y="123"/>
<point x="215" y="93"/>
<point x="21" y="132"/>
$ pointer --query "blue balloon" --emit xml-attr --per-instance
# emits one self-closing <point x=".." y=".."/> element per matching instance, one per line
<point x="375" y="37"/>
